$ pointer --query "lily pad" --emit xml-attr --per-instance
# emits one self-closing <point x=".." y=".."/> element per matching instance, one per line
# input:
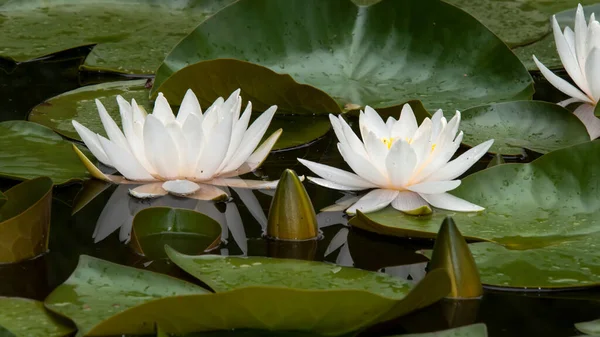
<point x="58" y="112"/>
<point x="131" y="36"/>
<point x="29" y="150"/>
<point x="25" y="317"/>
<point x="589" y="328"/>
<point x="552" y="199"/>
<point x="380" y="55"/>
<point x="25" y="220"/>
<point x="538" y="126"/>
<point x="474" y="330"/>
<point x="98" y="290"/>
<point x="286" y="295"/>
<point x="189" y="231"/>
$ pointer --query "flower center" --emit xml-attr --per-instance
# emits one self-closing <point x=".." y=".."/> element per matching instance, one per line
<point x="388" y="142"/>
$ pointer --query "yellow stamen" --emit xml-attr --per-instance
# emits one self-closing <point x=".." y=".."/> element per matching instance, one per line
<point x="433" y="147"/>
<point x="388" y="142"/>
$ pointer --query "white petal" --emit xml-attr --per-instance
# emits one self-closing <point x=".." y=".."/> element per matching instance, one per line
<point x="192" y="131"/>
<point x="92" y="142"/>
<point x="246" y="183"/>
<point x="435" y="187"/>
<point x="162" y="110"/>
<point x="585" y="113"/>
<point x="561" y="84"/>
<point x="570" y="37"/>
<point x="153" y="190"/>
<point x="333" y="185"/>
<point x="592" y="72"/>
<point x="436" y="160"/>
<point x="124" y="162"/>
<point x="336" y="175"/>
<point x="340" y="238"/>
<point x="377" y="151"/>
<point x="460" y="165"/>
<point x="180" y="187"/>
<point x="373" y="201"/>
<point x="391" y="121"/>
<point x="337" y="127"/>
<point x="160" y="148"/>
<point x="208" y="192"/>
<point x="407" y="125"/>
<point x="239" y="129"/>
<point x="214" y="149"/>
<point x="420" y="142"/>
<point x="211" y="116"/>
<point x="352" y="139"/>
<point x="449" y="202"/>
<point x="114" y="214"/>
<point x="400" y="163"/>
<point x="436" y="125"/>
<point x="251" y="202"/>
<point x="374" y="123"/>
<point x="364" y="168"/>
<point x="580" y="36"/>
<point x="408" y="201"/>
<point x="189" y="105"/>
<point x="112" y="130"/>
<point x="568" y="59"/>
<point x="139" y="115"/>
<point x="340" y="205"/>
<point x="236" y="226"/>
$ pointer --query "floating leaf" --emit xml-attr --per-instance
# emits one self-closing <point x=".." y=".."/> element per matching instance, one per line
<point x="291" y="215"/>
<point x="25" y="220"/>
<point x="451" y="253"/>
<point x="25" y="317"/>
<point x="29" y="150"/>
<point x="382" y="55"/>
<point x="98" y="290"/>
<point x="538" y="126"/>
<point x="58" y="112"/>
<point x="552" y="199"/>
<point x="89" y="191"/>
<point x="189" y="231"/>
<point x="474" y="330"/>
<point x="127" y="42"/>
<point x="589" y="328"/>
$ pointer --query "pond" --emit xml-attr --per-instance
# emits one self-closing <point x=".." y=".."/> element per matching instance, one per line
<point x="531" y="287"/>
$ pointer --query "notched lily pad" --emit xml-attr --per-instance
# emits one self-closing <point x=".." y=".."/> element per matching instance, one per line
<point x="189" y="231"/>
<point x="538" y="126"/>
<point x="29" y="150"/>
<point x="25" y="220"/>
<point x="550" y="200"/>
<point x="25" y="317"/>
<point x="380" y="55"/>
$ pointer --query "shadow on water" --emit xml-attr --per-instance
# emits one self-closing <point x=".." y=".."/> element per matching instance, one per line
<point x="505" y="313"/>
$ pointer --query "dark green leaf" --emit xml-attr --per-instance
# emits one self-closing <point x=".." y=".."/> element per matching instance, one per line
<point x="98" y="290"/>
<point x="382" y="55"/>
<point x="534" y="125"/>
<point x="20" y="317"/>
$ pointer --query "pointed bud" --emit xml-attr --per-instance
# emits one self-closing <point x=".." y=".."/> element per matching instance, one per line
<point x="291" y="216"/>
<point x="451" y="252"/>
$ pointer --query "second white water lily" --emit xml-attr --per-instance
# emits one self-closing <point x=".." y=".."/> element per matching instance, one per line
<point x="579" y="52"/>
<point x="185" y="155"/>
<point x="406" y="165"/>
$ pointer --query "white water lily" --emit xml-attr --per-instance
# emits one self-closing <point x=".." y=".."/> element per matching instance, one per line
<point x="579" y="52"/>
<point x="405" y="164"/>
<point x="185" y="155"/>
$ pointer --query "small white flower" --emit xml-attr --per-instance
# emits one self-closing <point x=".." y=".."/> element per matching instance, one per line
<point x="580" y="55"/>
<point x="407" y="165"/>
<point x="185" y="155"/>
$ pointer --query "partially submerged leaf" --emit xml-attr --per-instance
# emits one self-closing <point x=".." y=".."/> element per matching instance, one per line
<point x="29" y="150"/>
<point x="538" y="126"/>
<point x="380" y="55"/>
<point x="474" y="330"/>
<point x="98" y="290"/>
<point x="291" y="215"/>
<point x="25" y="220"/>
<point x="25" y="317"/>
<point x="187" y="230"/>
<point x="89" y="191"/>
<point x="589" y="328"/>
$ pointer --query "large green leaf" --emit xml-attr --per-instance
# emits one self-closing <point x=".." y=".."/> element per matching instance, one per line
<point x="325" y="298"/>
<point x="58" y="112"/>
<point x="98" y="290"/>
<point x="29" y="150"/>
<point x="382" y="55"/>
<point x="25" y="220"/>
<point x="552" y="199"/>
<point x="534" y="125"/>
<point x="133" y="36"/>
<point x="188" y="231"/>
<point x="20" y="317"/>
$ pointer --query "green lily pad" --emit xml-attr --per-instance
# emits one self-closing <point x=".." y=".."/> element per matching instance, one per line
<point x="132" y="36"/>
<point x="29" y="150"/>
<point x="380" y="55"/>
<point x="325" y="298"/>
<point x="20" y="317"/>
<point x="473" y="330"/>
<point x="58" y="112"/>
<point x="538" y="126"/>
<point x="189" y="231"/>
<point x="589" y="328"/>
<point x="552" y="199"/>
<point x="98" y="290"/>
<point x="25" y="220"/>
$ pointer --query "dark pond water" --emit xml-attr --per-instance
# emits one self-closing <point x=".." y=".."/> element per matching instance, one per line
<point x="106" y="217"/>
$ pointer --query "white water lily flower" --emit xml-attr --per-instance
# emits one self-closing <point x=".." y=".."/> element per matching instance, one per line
<point x="405" y="164"/>
<point x="185" y="155"/>
<point x="579" y="53"/>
